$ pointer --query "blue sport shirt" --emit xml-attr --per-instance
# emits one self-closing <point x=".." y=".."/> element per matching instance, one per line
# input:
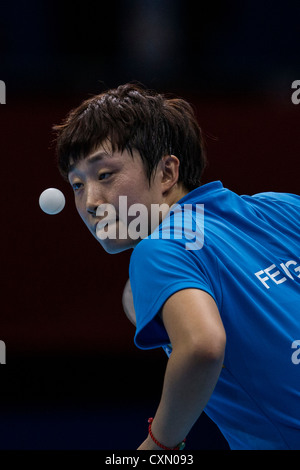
<point x="248" y="260"/>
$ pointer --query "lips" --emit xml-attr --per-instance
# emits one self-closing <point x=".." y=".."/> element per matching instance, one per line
<point x="103" y="223"/>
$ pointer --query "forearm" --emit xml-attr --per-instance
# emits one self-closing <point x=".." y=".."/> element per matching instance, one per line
<point x="189" y="381"/>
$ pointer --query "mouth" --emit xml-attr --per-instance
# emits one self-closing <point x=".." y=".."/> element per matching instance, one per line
<point x="103" y="223"/>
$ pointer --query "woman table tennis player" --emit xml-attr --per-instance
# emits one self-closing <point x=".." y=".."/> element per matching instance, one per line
<point x="227" y="311"/>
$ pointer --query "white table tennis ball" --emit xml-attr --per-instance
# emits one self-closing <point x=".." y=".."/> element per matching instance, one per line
<point x="52" y="201"/>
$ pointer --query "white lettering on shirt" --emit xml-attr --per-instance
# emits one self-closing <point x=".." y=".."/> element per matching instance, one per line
<point x="272" y="273"/>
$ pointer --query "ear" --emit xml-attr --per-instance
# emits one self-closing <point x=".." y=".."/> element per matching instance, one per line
<point x="170" y="171"/>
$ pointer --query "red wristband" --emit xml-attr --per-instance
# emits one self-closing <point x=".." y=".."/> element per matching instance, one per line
<point x="179" y="446"/>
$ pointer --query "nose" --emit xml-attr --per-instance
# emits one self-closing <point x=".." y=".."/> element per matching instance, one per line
<point x="92" y="210"/>
<point x="93" y="200"/>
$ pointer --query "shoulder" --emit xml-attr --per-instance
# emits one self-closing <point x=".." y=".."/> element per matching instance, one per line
<point x="279" y="198"/>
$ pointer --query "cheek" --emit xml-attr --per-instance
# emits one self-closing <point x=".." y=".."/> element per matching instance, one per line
<point x="140" y="192"/>
<point x="77" y="206"/>
<point x="80" y="210"/>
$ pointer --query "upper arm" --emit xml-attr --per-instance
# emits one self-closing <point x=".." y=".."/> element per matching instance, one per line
<point x="127" y="301"/>
<point x="192" y="320"/>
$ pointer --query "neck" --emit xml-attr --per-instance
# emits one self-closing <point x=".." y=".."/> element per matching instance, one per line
<point x="177" y="192"/>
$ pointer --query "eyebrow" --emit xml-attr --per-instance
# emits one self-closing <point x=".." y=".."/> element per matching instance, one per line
<point x="92" y="159"/>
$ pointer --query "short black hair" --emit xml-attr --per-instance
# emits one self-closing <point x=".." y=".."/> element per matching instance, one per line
<point x="132" y="117"/>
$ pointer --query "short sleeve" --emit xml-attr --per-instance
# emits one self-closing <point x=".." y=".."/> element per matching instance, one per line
<point x="158" y="269"/>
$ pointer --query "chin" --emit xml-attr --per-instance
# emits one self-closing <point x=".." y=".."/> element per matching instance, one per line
<point x="116" y="246"/>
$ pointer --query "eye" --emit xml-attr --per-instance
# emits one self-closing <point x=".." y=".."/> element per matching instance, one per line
<point x="104" y="176"/>
<point x="76" y="186"/>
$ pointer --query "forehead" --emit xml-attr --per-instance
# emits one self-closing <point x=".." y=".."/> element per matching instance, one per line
<point x="102" y="156"/>
<point x="98" y="154"/>
<point x="96" y="157"/>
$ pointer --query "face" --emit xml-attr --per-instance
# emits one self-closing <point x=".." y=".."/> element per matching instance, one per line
<point x="98" y="182"/>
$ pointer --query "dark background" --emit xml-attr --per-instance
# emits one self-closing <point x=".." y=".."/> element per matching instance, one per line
<point x="73" y="378"/>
